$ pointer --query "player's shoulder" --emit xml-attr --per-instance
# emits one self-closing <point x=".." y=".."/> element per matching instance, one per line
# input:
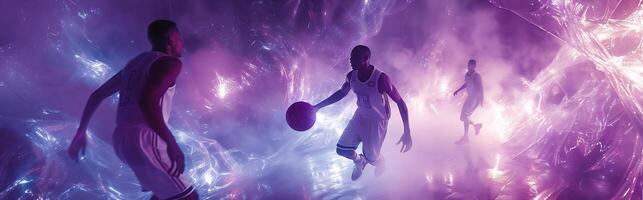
<point x="383" y="77"/>
<point x="383" y="81"/>
<point x="168" y="62"/>
<point x="166" y="65"/>
<point x="137" y="58"/>
<point x="476" y="74"/>
<point x="349" y="74"/>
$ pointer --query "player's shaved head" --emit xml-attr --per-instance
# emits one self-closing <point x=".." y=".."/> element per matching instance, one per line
<point x="158" y="32"/>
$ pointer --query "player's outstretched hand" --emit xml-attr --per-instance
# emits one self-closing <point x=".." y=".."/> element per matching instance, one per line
<point x="455" y="93"/>
<point x="77" y="144"/>
<point x="176" y="157"/>
<point x="406" y="141"/>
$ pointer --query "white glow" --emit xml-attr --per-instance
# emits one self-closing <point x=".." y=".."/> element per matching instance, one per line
<point x="495" y="172"/>
<point x="444" y="85"/>
<point x="222" y="88"/>
<point x="529" y="107"/>
<point x="96" y="68"/>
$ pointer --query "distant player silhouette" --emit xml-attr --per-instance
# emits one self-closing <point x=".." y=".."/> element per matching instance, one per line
<point x="475" y="97"/>
<point x="142" y="138"/>
<point x="370" y="120"/>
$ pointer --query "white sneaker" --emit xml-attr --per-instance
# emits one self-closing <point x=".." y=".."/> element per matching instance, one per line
<point x="478" y="127"/>
<point x="360" y="163"/>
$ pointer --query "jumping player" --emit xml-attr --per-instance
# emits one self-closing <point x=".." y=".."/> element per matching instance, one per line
<point x="370" y="120"/>
<point x="142" y="138"/>
<point x="475" y="97"/>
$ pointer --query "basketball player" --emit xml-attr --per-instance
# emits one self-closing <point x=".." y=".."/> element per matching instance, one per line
<point x="473" y="83"/>
<point x="370" y="120"/>
<point x="142" y="138"/>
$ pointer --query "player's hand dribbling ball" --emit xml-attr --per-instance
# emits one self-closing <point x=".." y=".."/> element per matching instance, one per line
<point x="300" y="116"/>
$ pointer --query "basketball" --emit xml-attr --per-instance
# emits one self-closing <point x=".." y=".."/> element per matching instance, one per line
<point x="300" y="116"/>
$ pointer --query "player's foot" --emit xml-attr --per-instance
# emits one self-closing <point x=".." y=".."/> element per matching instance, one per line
<point x="462" y="140"/>
<point x="360" y="163"/>
<point x="478" y="127"/>
<point x="380" y="167"/>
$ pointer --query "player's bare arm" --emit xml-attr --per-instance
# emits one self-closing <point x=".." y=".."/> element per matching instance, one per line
<point x="461" y="88"/>
<point x="80" y="139"/>
<point x="338" y="95"/>
<point x="162" y="75"/>
<point x="385" y="86"/>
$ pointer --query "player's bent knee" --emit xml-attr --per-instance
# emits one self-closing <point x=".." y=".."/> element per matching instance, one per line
<point x="346" y="153"/>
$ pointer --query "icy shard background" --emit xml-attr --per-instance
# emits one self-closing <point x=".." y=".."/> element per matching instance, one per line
<point x="562" y="118"/>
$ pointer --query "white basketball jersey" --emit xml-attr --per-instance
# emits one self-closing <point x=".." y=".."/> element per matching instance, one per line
<point x="474" y="84"/>
<point x="134" y="77"/>
<point x="370" y="102"/>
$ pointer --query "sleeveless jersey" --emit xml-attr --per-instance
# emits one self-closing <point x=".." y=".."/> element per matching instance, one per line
<point x="474" y="84"/>
<point x="134" y="77"/>
<point x="370" y="102"/>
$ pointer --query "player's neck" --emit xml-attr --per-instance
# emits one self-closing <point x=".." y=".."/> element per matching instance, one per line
<point x="162" y="50"/>
<point x="364" y="73"/>
<point x="367" y="70"/>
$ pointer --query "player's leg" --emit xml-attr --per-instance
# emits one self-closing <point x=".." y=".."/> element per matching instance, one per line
<point x="465" y="121"/>
<point x="464" y="117"/>
<point x="146" y="154"/>
<point x="475" y="103"/>
<point x="466" y="126"/>
<point x="346" y="152"/>
<point x="191" y="196"/>
<point x="372" y="144"/>
<point x="348" y="143"/>
<point x="152" y="166"/>
<point x="465" y="138"/>
<point x="477" y="126"/>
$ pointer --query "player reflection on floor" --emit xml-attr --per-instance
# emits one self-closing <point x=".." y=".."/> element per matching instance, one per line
<point x="370" y="120"/>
